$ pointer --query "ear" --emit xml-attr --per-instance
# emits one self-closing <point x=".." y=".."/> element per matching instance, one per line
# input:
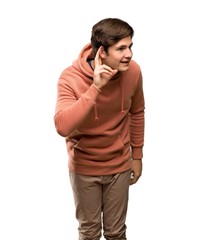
<point x="102" y="52"/>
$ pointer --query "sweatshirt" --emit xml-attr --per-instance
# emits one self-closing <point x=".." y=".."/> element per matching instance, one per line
<point x="103" y="129"/>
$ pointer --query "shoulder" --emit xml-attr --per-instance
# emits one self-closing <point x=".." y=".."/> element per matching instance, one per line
<point x="134" y="71"/>
<point x="69" y="72"/>
<point x="134" y="66"/>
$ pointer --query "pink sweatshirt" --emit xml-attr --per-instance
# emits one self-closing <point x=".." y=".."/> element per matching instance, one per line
<point x="103" y="129"/>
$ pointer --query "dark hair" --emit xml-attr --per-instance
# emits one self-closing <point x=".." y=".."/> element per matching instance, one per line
<point x="108" y="32"/>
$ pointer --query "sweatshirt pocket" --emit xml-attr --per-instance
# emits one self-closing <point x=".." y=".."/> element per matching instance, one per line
<point x="99" y="148"/>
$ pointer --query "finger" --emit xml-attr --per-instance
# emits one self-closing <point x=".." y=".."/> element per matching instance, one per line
<point x="97" y="59"/>
<point x="108" y="69"/>
<point x="133" y="181"/>
<point x="134" y="178"/>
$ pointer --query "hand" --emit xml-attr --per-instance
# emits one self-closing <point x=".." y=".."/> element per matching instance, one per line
<point x="136" y="170"/>
<point x="102" y="72"/>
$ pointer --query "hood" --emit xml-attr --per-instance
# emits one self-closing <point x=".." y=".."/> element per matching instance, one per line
<point x="81" y="63"/>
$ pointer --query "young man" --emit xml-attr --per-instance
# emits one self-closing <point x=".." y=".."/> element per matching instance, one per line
<point x="100" y="112"/>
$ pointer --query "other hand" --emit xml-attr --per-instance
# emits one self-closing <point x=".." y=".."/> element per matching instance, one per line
<point x="136" y="170"/>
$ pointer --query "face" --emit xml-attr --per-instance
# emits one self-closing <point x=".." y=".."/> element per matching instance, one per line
<point x="119" y="55"/>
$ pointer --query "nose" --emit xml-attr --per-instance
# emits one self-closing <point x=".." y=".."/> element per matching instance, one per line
<point x="128" y="53"/>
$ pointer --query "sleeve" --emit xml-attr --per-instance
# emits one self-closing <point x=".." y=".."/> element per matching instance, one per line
<point x="71" y="112"/>
<point x="137" y="121"/>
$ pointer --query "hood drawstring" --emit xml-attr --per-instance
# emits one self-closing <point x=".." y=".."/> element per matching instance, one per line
<point x="122" y="95"/>
<point x="96" y="112"/>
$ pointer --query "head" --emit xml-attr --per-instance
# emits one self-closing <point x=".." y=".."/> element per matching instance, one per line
<point x="109" y="34"/>
<point x="109" y="31"/>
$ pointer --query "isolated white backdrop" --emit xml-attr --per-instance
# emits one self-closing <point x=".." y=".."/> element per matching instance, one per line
<point x="38" y="40"/>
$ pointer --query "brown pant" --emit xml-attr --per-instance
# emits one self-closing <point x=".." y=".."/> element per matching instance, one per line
<point x="101" y="202"/>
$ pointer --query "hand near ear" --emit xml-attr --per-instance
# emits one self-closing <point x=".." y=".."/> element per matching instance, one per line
<point x="102" y="72"/>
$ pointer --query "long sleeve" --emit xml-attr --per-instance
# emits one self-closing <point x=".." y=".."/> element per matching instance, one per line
<point x="70" y="111"/>
<point x="137" y="121"/>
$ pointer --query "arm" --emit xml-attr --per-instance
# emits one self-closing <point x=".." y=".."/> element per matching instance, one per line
<point x="137" y="131"/>
<point x="71" y="112"/>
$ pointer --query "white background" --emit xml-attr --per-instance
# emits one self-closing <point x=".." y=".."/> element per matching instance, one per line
<point x="38" y="40"/>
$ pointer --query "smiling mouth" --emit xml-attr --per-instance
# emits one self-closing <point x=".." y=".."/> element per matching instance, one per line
<point x="125" y="61"/>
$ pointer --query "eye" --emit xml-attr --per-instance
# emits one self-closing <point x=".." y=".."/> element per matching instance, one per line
<point x="121" y="49"/>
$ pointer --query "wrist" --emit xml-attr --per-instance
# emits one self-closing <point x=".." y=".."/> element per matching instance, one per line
<point x="98" y="88"/>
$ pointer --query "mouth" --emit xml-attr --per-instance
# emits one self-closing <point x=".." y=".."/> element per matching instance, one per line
<point x="125" y="62"/>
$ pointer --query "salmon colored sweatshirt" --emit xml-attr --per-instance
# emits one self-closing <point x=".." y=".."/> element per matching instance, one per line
<point x="103" y="129"/>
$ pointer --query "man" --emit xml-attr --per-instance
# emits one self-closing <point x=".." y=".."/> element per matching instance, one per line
<point x="100" y="112"/>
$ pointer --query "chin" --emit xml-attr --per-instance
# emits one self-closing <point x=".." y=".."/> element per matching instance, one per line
<point x="123" y="69"/>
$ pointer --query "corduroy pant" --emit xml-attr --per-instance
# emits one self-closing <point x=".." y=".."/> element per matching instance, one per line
<point x="101" y="205"/>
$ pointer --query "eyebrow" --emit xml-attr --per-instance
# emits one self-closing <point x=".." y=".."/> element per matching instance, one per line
<point x="124" y="46"/>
